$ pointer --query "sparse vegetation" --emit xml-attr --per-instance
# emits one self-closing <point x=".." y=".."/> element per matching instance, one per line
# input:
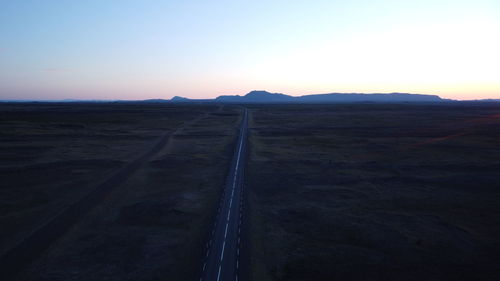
<point x="334" y="192"/>
<point x="375" y="192"/>
<point x="154" y="224"/>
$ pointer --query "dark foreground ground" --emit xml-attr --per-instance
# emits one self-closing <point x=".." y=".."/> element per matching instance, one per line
<point x="375" y="192"/>
<point x="338" y="192"/>
<point x="150" y="227"/>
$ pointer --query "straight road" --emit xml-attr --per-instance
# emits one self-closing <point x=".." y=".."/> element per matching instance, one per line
<point x="223" y="250"/>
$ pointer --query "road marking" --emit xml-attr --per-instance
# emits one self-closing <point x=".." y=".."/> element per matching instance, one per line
<point x="218" y="274"/>
<point x="234" y="184"/>
<point x="242" y="131"/>
<point x="222" y="252"/>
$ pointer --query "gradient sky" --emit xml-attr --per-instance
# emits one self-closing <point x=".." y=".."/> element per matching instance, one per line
<point x="124" y="49"/>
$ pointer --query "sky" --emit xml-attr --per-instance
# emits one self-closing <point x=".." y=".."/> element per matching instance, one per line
<point x="128" y="49"/>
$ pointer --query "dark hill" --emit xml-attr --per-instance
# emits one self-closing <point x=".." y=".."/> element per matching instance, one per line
<point x="267" y="97"/>
<point x="393" y="97"/>
<point x="257" y="97"/>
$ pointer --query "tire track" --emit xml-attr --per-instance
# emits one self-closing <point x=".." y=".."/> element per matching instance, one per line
<point x="20" y="256"/>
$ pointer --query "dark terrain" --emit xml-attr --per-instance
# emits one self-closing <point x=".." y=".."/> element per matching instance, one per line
<point x="151" y="226"/>
<point x="375" y="192"/>
<point x="352" y="191"/>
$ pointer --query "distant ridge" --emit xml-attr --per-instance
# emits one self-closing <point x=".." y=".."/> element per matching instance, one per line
<point x="177" y="98"/>
<point x="256" y="96"/>
<point x="355" y="97"/>
<point x="267" y="97"/>
<point x="487" y="100"/>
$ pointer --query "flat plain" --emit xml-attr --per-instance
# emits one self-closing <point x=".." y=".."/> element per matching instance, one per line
<point x="374" y="192"/>
<point x="332" y="192"/>
<point x="151" y="226"/>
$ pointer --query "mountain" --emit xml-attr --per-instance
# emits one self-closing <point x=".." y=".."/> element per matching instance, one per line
<point x="267" y="97"/>
<point x="392" y="97"/>
<point x="177" y="99"/>
<point x="257" y="97"/>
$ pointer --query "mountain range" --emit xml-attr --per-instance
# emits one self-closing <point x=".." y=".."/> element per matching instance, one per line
<point x="267" y="97"/>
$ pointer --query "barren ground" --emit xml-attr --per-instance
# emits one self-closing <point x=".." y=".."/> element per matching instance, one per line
<point x="334" y="192"/>
<point x="375" y="192"/>
<point x="151" y="226"/>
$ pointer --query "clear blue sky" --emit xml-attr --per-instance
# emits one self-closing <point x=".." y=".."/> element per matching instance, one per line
<point x="158" y="49"/>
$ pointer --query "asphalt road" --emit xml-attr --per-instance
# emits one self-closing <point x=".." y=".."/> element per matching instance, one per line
<point x="222" y="260"/>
